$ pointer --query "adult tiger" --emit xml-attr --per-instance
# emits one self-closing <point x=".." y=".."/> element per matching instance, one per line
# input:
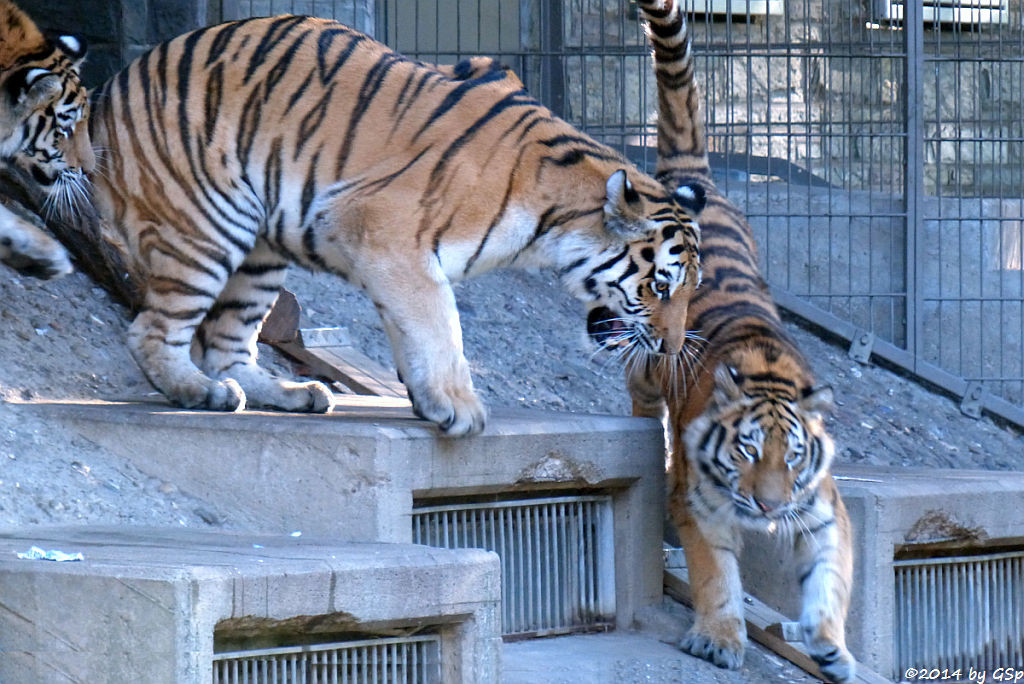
<point x="749" y="444"/>
<point x="232" y="151"/>
<point x="42" y="105"/>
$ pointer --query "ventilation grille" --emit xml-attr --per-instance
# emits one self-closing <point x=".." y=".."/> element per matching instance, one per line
<point x="965" y="12"/>
<point x="960" y="612"/>
<point x="411" y="660"/>
<point x="557" y="560"/>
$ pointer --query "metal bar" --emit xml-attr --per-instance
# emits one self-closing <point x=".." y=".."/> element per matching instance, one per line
<point x="552" y="72"/>
<point x="924" y="370"/>
<point x="914" y="189"/>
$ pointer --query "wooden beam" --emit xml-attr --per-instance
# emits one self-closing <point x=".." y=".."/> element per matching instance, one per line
<point x="767" y="627"/>
<point x="327" y="352"/>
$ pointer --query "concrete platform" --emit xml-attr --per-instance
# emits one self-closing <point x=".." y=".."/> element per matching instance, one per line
<point x="356" y="474"/>
<point x="892" y="508"/>
<point x="144" y="604"/>
<point x="643" y="655"/>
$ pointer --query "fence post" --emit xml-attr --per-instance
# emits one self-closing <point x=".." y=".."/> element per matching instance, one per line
<point x="552" y="70"/>
<point x="913" y="31"/>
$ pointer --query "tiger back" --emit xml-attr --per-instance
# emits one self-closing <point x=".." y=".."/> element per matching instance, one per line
<point x="42" y="103"/>
<point x="233" y="151"/>
<point x="749" y="446"/>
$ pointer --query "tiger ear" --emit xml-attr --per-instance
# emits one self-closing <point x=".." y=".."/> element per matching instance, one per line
<point x="691" y="197"/>
<point x="817" y="399"/>
<point x="71" y="45"/>
<point x="727" y="384"/>
<point x="623" y="216"/>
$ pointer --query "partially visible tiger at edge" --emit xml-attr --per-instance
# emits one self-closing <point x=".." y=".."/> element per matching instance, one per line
<point x="749" y="447"/>
<point x="232" y="151"/>
<point x="41" y="103"/>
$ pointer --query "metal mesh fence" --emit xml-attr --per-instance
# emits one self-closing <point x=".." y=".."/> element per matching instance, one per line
<point x="877" y="147"/>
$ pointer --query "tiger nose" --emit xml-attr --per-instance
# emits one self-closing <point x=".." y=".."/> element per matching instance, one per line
<point x="767" y="505"/>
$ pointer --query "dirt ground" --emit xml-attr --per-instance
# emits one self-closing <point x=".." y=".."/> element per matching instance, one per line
<point x="524" y="337"/>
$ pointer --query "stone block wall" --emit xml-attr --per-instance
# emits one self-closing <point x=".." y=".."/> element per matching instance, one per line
<point x="118" y="31"/>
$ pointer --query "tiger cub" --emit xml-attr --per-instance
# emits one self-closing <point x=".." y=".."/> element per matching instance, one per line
<point x="42" y="103"/>
<point x="230" y="152"/>
<point x="750" y="449"/>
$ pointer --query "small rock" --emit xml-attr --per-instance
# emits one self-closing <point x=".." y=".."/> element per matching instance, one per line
<point x="209" y="517"/>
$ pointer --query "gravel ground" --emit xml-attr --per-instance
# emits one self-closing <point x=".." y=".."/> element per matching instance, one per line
<point x="524" y="337"/>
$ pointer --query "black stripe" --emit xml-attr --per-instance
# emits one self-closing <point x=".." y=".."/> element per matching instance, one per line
<point x="324" y="44"/>
<point x="367" y="92"/>
<point x="212" y="101"/>
<point x="276" y="32"/>
<point x="309" y="186"/>
<point x="312" y="121"/>
<point x="455" y="96"/>
<point x="280" y="69"/>
<point x="220" y="42"/>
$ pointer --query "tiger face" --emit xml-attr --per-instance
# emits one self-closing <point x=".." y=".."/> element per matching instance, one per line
<point x="759" y="450"/>
<point x="638" y="297"/>
<point x="44" y="108"/>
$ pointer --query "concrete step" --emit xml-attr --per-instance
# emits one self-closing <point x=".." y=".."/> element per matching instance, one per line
<point x="645" y="654"/>
<point x="365" y="471"/>
<point x="153" y="605"/>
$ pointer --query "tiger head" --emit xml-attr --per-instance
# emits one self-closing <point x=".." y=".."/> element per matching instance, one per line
<point x="638" y="293"/>
<point x="759" y="450"/>
<point x="44" y="108"/>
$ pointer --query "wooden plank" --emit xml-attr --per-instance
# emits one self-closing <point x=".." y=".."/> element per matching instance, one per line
<point x="348" y="366"/>
<point x="768" y="628"/>
<point x="327" y="352"/>
<point x="282" y="323"/>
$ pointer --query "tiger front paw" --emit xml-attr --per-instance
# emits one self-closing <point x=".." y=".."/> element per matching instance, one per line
<point x="40" y="258"/>
<point x="823" y="636"/>
<point x="722" y="651"/>
<point x="456" y="416"/>
<point x="835" y="662"/>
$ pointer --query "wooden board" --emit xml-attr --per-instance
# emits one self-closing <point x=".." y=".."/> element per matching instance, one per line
<point x="327" y="352"/>
<point x="767" y="627"/>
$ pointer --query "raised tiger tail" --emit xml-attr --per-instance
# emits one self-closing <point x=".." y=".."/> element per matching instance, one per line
<point x="682" y="136"/>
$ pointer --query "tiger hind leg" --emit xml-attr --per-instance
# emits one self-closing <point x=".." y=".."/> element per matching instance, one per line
<point x="28" y="250"/>
<point x="825" y="566"/>
<point x="226" y="343"/>
<point x="719" y="633"/>
<point x="185" y="278"/>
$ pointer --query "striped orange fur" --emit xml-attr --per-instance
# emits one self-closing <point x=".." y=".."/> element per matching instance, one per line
<point x="749" y="444"/>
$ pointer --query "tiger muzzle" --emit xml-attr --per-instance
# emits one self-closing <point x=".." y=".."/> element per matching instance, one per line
<point x="605" y="327"/>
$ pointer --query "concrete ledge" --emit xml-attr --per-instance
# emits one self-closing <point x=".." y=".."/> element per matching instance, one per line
<point x="890" y="508"/>
<point x="144" y="604"/>
<point x="355" y="474"/>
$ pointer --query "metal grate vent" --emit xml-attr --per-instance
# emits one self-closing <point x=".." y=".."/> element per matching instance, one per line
<point x="960" y="612"/>
<point x="410" y="660"/>
<point x="557" y="559"/>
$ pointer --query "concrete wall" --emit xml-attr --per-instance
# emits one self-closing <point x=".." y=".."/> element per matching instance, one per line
<point x="889" y="509"/>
